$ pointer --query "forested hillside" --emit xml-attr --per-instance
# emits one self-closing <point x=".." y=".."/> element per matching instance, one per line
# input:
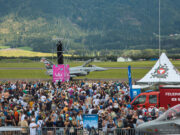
<point x="89" y="24"/>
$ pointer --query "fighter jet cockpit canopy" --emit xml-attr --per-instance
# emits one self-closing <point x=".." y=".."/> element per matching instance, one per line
<point x="171" y="114"/>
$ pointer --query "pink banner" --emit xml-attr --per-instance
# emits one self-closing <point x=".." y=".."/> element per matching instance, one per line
<point x="67" y="73"/>
<point x="61" y="73"/>
<point x="58" y="73"/>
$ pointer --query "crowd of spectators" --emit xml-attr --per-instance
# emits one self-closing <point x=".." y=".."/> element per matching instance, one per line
<point x="43" y="104"/>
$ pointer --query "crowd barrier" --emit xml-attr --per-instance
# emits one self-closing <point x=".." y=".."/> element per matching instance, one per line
<point x="70" y="131"/>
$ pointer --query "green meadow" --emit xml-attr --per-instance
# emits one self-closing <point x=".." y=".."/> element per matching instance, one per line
<point x="41" y="74"/>
<point x="25" y="64"/>
<point x="23" y="74"/>
<point x="116" y="74"/>
<point x="133" y="64"/>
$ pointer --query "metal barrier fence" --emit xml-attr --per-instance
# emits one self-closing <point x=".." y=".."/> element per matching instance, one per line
<point x="68" y="131"/>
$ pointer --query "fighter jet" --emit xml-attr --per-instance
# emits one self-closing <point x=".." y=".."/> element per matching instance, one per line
<point x="82" y="70"/>
<point x="167" y="123"/>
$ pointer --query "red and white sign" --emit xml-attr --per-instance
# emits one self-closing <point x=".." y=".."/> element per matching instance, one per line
<point x="161" y="71"/>
<point x="169" y="96"/>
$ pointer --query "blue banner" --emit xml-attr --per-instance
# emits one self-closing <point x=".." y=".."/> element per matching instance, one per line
<point x="130" y="82"/>
<point x="90" y="121"/>
<point x="136" y="92"/>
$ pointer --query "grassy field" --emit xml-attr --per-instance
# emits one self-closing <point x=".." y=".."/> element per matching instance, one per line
<point x="109" y="74"/>
<point x="123" y="64"/>
<point x="3" y="47"/>
<point x="23" y="53"/>
<point x="41" y="74"/>
<point x="9" y="52"/>
<point x="116" y="74"/>
<point x="23" y="74"/>
<point x="5" y="63"/>
<point x="22" y="65"/>
<point x="133" y="64"/>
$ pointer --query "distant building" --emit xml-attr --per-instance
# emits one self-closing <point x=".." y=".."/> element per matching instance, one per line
<point x="96" y="60"/>
<point x="122" y="59"/>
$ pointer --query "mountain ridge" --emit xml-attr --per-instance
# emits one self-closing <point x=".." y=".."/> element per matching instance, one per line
<point x="91" y="25"/>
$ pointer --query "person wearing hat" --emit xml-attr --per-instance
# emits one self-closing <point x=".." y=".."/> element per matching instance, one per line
<point x="33" y="127"/>
<point x="24" y="125"/>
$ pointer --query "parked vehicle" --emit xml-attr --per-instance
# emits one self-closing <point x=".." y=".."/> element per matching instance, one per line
<point x="167" y="96"/>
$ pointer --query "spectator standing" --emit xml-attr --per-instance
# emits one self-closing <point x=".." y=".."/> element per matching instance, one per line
<point x="139" y="120"/>
<point x="24" y="125"/>
<point x="40" y="124"/>
<point x="33" y="126"/>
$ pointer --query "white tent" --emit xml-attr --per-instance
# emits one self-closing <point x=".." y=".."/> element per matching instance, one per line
<point x="162" y="72"/>
<point x="140" y="86"/>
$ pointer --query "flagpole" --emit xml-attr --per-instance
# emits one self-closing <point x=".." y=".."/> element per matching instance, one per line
<point x="159" y="34"/>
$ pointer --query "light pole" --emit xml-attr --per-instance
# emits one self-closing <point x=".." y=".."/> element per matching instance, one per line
<point x="159" y="35"/>
<point x="159" y="29"/>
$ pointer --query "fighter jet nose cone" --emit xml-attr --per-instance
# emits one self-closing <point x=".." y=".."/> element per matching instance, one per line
<point x="146" y="127"/>
<point x="139" y="127"/>
<point x="101" y="69"/>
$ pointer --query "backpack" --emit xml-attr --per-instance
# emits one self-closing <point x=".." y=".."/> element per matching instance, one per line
<point x="71" y="130"/>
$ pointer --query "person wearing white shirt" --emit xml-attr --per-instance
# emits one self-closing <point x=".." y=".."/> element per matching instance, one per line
<point x="36" y="113"/>
<point x="90" y="111"/>
<point x="24" y="104"/>
<point x="43" y="98"/>
<point x="150" y="109"/>
<point x="13" y="86"/>
<point x="23" y="116"/>
<point x="96" y="101"/>
<point x="40" y="123"/>
<point x="33" y="127"/>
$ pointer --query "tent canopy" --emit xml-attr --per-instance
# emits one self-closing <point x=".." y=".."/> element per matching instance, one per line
<point x="162" y="72"/>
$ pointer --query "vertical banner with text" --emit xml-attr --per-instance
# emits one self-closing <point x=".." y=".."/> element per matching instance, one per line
<point x="67" y="73"/>
<point x="58" y="73"/>
<point x="61" y="73"/>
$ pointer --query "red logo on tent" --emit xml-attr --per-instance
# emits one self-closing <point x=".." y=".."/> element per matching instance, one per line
<point x="161" y="71"/>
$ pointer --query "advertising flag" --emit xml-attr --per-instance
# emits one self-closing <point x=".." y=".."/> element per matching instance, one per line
<point x="130" y="82"/>
<point x="58" y="73"/>
<point x="61" y="73"/>
<point x="67" y="73"/>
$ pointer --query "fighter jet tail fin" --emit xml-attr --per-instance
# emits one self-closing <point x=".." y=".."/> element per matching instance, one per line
<point x="87" y="62"/>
